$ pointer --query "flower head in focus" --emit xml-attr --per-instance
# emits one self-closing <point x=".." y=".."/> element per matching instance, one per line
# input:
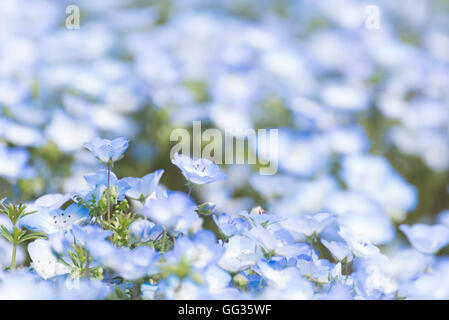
<point x="49" y="216"/>
<point x="107" y="151"/>
<point x="201" y="171"/>
<point x="142" y="188"/>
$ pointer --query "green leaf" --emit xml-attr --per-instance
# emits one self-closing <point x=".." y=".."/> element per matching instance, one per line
<point x="6" y="234"/>
<point x="30" y="236"/>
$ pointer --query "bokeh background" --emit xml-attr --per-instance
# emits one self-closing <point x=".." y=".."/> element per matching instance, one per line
<point x="363" y="114"/>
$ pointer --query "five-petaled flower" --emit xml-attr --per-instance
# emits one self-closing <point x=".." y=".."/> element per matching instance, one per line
<point x="201" y="171"/>
<point x="107" y="151"/>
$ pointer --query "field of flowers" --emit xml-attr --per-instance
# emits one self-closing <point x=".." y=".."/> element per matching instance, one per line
<point x="94" y="203"/>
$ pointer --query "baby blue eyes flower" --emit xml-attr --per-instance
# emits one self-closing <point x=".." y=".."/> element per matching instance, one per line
<point x="146" y="230"/>
<point x="56" y="220"/>
<point x="229" y="226"/>
<point x="425" y="238"/>
<point x="142" y="188"/>
<point x="84" y="234"/>
<point x="338" y="249"/>
<point x="44" y="261"/>
<point x="199" y="251"/>
<point x="98" y="183"/>
<point x="309" y="225"/>
<point x="107" y="151"/>
<point x="360" y="246"/>
<point x="176" y="212"/>
<point x="49" y="218"/>
<point x="201" y="171"/>
<point x="129" y="264"/>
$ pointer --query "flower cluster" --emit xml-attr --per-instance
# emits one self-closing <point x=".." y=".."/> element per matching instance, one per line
<point x="130" y="240"/>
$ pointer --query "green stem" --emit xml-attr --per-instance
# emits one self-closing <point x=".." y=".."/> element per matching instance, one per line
<point x="14" y="249"/>
<point x="109" y="192"/>
<point x="13" y="261"/>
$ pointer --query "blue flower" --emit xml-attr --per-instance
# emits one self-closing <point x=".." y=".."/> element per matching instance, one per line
<point x="129" y="264"/>
<point x="309" y="225"/>
<point x="201" y="171"/>
<point x="84" y="234"/>
<point x="50" y="218"/>
<point x="146" y="230"/>
<point x="198" y="252"/>
<point x="229" y="226"/>
<point x="98" y="182"/>
<point x="142" y="188"/>
<point x="176" y="212"/>
<point x="107" y="151"/>
<point x="425" y="238"/>
<point x="13" y="163"/>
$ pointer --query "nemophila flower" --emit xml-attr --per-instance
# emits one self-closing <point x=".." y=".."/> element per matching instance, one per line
<point x="308" y="225"/>
<point x="376" y="227"/>
<point x="306" y="198"/>
<point x="259" y="217"/>
<point x="13" y="163"/>
<point x="219" y="283"/>
<point x="361" y="214"/>
<point x="360" y="246"/>
<point x="150" y="291"/>
<point x="98" y="184"/>
<point x="176" y="288"/>
<point x="131" y="264"/>
<point x="81" y="289"/>
<point x="426" y="238"/>
<point x="88" y="233"/>
<point x="407" y="264"/>
<point x="142" y="188"/>
<point x="285" y="284"/>
<point x="22" y="285"/>
<point x="298" y="155"/>
<point x="374" y="176"/>
<point x="197" y="252"/>
<point x="429" y="285"/>
<point x="201" y="171"/>
<point x="176" y="212"/>
<point x="240" y="253"/>
<point x="67" y="132"/>
<point x="317" y="269"/>
<point x="107" y="151"/>
<point x="52" y="219"/>
<point x="338" y="249"/>
<point x="145" y="230"/>
<point x="44" y="261"/>
<point x="276" y="240"/>
<point x="230" y="226"/>
<point x="373" y="283"/>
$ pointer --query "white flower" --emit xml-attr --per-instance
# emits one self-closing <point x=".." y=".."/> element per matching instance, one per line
<point x="241" y="253"/>
<point x="44" y="261"/>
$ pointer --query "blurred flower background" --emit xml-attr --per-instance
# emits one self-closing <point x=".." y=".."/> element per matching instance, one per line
<point x="363" y="114"/>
